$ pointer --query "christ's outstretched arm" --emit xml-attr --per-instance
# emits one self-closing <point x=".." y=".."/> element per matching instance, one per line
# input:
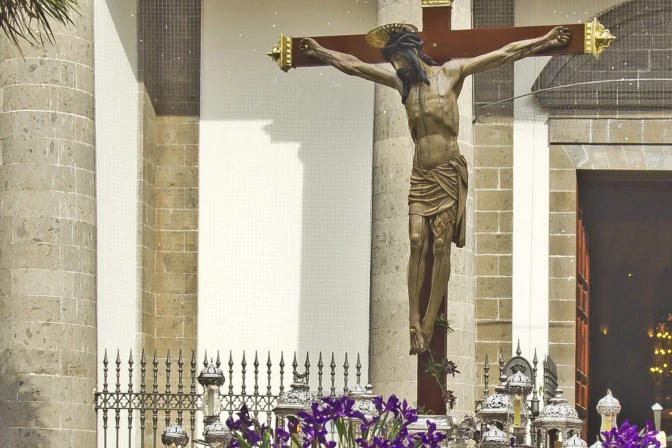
<point x="350" y="65"/>
<point x="515" y="51"/>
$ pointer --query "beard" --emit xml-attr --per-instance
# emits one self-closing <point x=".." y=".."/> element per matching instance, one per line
<point x="412" y="74"/>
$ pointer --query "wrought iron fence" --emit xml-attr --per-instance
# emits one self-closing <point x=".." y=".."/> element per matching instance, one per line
<point x="166" y="389"/>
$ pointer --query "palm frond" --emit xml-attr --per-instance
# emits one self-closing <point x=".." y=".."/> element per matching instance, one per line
<point x="30" y="20"/>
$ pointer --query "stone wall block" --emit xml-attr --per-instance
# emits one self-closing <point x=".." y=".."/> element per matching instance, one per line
<point x="494" y="200"/>
<point x="494" y="243"/>
<point x="564" y="245"/>
<point x="494" y="156"/>
<point x="486" y="178"/>
<point x="493" y="287"/>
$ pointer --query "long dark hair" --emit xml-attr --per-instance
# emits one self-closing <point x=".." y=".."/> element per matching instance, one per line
<point x="408" y="45"/>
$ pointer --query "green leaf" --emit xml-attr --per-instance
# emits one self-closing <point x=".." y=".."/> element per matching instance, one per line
<point x="31" y="21"/>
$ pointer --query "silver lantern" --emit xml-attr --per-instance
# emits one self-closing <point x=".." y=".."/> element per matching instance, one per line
<point x="495" y="408"/>
<point x="211" y="378"/>
<point x="574" y="442"/>
<point x="495" y="438"/>
<point x="518" y="387"/>
<point x="217" y="435"/>
<point x="298" y="398"/>
<point x="557" y="415"/>
<point x="174" y="436"/>
<point x="364" y="400"/>
<point x="608" y="408"/>
<point x="444" y="424"/>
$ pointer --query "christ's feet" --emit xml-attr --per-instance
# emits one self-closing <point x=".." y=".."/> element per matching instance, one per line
<point x="417" y="340"/>
<point x="427" y="329"/>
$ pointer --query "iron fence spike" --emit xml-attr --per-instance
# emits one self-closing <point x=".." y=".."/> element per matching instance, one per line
<point x="346" y="366"/>
<point x="358" y="370"/>
<point x="268" y="372"/>
<point x="256" y="373"/>
<point x="332" y="366"/>
<point x="282" y="371"/>
<point x="320" y="365"/>
<point x="218" y="363"/>
<point x="231" y="372"/>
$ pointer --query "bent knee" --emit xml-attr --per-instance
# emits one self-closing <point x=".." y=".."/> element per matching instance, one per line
<point x="417" y="241"/>
<point x="438" y="246"/>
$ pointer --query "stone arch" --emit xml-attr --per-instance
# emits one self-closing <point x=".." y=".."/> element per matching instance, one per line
<point x="643" y="29"/>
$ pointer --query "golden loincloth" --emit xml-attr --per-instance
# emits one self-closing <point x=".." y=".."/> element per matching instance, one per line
<point x="440" y="194"/>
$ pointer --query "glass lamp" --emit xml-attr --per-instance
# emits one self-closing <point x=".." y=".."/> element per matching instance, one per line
<point x="217" y="435"/>
<point x="211" y="378"/>
<point x="518" y="387"/>
<point x="558" y="416"/>
<point x="608" y="408"/>
<point x="494" y="410"/>
<point x="574" y="442"/>
<point x="174" y="436"/>
<point x="495" y="438"/>
<point x="298" y="398"/>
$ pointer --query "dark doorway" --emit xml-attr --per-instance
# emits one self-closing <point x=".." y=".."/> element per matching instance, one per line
<point x="628" y="220"/>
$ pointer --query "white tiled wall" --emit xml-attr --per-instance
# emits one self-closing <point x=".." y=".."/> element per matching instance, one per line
<point x="285" y="186"/>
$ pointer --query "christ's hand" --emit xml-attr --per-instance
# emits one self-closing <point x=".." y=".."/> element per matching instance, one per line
<point x="308" y="46"/>
<point x="558" y="37"/>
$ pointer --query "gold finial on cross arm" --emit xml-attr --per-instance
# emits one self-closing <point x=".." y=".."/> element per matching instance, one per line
<point x="436" y="3"/>
<point x="597" y="38"/>
<point x="281" y="53"/>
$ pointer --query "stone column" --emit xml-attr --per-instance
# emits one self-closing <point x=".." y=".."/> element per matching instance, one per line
<point x="48" y="241"/>
<point x="392" y="369"/>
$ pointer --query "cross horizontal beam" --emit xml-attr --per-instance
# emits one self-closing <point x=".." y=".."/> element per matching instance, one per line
<point x="444" y="45"/>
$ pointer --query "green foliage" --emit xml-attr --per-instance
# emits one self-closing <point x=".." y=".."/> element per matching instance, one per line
<point x="440" y="369"/>
<point x="441" y="321"/>
<point x="31" y="20"/>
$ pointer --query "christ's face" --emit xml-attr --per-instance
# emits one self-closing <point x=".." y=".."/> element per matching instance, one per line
<point x="404" y="67"/>
<point x="399" y="61"/>
<point x="407" y="66"/>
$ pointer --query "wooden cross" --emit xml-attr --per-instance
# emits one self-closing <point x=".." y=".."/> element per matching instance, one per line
<point x="443" y="44"/>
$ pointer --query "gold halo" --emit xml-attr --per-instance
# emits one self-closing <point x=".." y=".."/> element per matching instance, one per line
<point x="379" y="36"/>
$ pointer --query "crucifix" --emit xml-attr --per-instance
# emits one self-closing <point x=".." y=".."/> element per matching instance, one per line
<point x="430" y="68"/>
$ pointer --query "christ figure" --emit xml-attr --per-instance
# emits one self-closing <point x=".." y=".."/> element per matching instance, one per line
<point x="438" y="190"/>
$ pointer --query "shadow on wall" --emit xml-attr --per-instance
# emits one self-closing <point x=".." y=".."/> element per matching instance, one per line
<point x="22" y="405"/>
<point x="328" y="117"/>
<point x="124" y="14"/>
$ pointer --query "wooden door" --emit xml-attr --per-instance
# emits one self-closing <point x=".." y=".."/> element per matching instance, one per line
<point x="582" y="317"/>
